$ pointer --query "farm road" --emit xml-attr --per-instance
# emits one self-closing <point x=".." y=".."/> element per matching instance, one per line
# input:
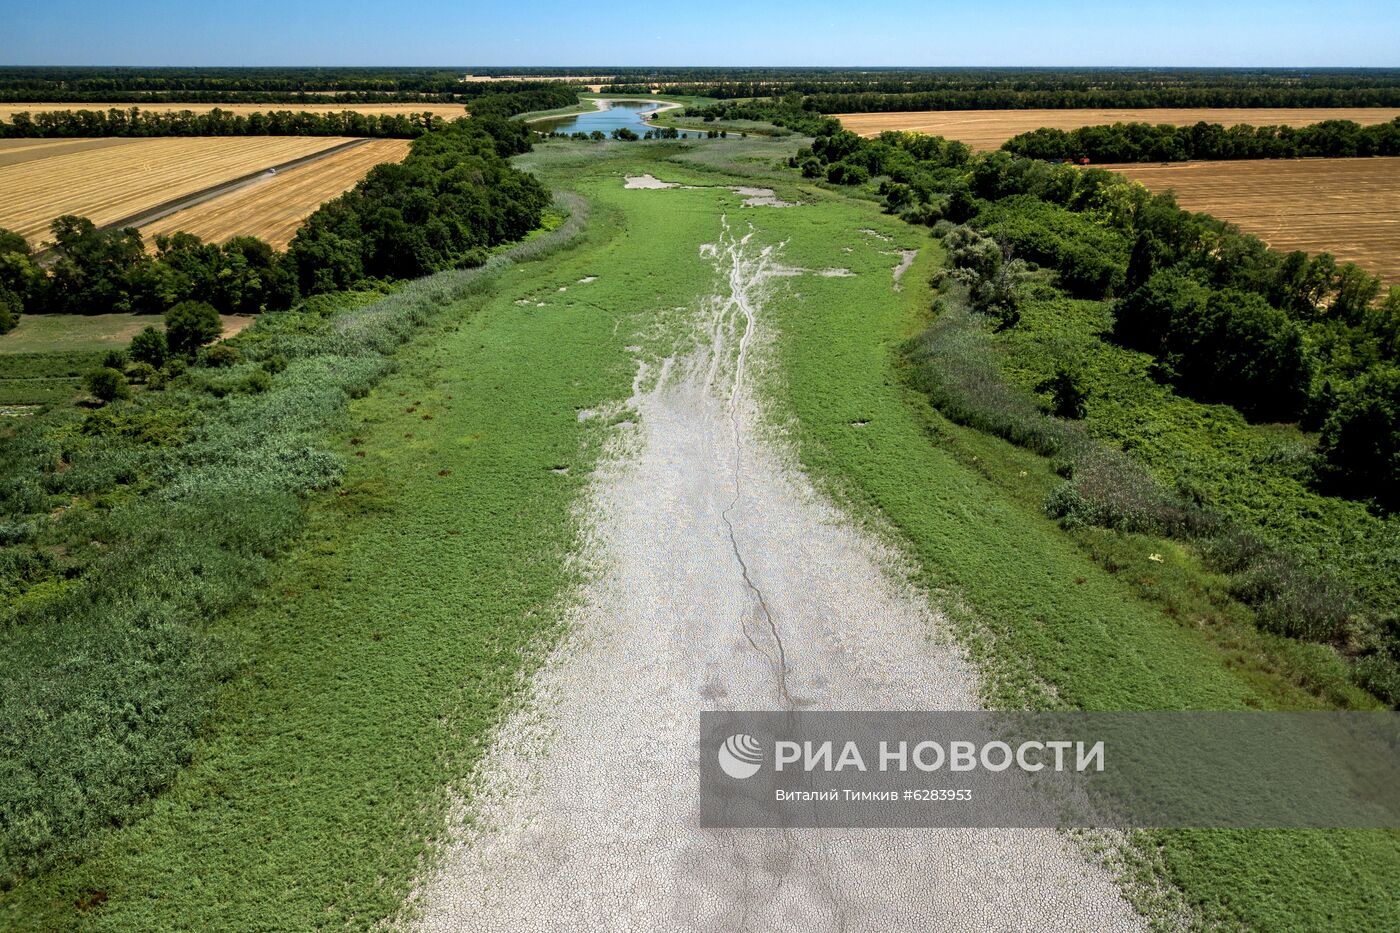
<point x="721" y="579"/>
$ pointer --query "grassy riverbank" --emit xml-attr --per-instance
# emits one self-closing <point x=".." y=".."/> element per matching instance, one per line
<point x="385" y="646"/>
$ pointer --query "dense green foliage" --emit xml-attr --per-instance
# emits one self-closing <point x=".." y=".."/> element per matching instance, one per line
<point x="296" y="84"/>
<point x="96" y="271"/>
<point x="133" y="121"/>
<point x="443" y="207"/>
<point x="1280" y="337"/>
<point x="126" y="530"/>
<point x="841" y="91"/>
<point x="450" y="201"/>
<point x="189" y="325"/>
<point x="1145" y="142"/>
<point x="503" y="101"/>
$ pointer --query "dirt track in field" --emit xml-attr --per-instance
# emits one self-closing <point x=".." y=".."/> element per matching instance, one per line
<point x="720" y="579"/>
<point x="107" y="184"/>
<point x="272" y="207"/>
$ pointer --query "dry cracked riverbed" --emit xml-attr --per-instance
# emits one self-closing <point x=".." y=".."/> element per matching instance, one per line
<point x="720" y="579"/>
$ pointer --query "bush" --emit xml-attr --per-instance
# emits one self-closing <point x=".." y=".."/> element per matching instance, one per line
<point x="844" y="173"/>
<point x="1067" y="393"/>
<point x="1360" y="442"/>
<point x="220" y="355"/>
<point x="1220" y="346"/>
<point x="114" y="359"/>
<point x="9" y="311"/>
<point x="1294" y="599"/>
<point x="190" y="325"/>
<point x="257" y="381"/>
<point x="140" y="372"/>
<point x="107" y="384"/>
<point x="149" y="347"/>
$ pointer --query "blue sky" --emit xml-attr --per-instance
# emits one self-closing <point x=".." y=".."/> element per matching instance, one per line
<point x="720" y="32"/>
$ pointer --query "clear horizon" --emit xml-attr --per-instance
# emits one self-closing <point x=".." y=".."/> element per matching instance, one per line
<point x="776" y="33"/>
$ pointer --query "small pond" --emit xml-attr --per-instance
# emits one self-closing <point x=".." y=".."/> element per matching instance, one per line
<point x="619" y="113"/>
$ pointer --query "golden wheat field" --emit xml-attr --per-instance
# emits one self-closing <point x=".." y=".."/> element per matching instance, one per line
<point x="447" y="111"/>
<point x="988" y="129"/>
<point x="106" y="183"/>
<point x="1347" y="207"/>
<point x="273" y="207"/>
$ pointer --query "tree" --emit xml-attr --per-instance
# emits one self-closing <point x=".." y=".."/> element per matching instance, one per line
<point x="190" y="325"/>
<point x="1148" y="316"/>
<point x="1067" y="392"/>
<point x="100" y="271"/>
<point x="9" y="311"/>
<point x="1360" y="442"/>
<point x="149" y="347"/>
<point x="107" y="384"/>
<point x="21" y="281"/>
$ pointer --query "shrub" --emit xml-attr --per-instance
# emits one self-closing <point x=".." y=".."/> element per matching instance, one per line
<point x="114" y="359"/>
<point x="140" y="372"/>
<point x="149" y="347"/>
<point x="844" y="173"/>
<point x="257" y="381"/>
<point x="107" y="384"/>
<point x="1294" y="599"/>
<point x="1067" y="393"/>
<point x="221" y="355"/>
<point x="190" y="325"/>
<point x="1360" y="442"/>
<point x="9" y="311"/>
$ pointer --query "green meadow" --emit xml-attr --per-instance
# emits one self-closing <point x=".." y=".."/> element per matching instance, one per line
<point x="389" y="639"/>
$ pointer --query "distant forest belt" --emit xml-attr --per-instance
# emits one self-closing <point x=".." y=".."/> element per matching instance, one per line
<point x="1347" y="207"/>
<point x="446" y="111"/>
<point x="988" y="129"/>
<point x="128" y="183"/>
<point x="272" y="207"/>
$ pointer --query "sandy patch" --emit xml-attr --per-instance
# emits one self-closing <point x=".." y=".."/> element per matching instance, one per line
<point x="721" y="579"/>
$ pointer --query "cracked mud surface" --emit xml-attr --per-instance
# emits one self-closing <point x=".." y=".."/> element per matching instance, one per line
<point x="720" y="579"/>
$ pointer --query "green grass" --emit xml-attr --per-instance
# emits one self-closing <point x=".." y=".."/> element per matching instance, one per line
<point x="44" y="378"/>
<point x="1256" y="474"/>
<point x="1048" y="623"/>
<point x="391" y="639"/>
<point x="43" y="359"/>
<point x="394" y="635"/>
<point x="46" y="333"/>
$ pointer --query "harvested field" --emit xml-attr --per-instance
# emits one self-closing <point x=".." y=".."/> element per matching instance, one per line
<point x="988" y="129"/>
<point x="448" y="111"/>
<point x="272" y="208"/>
<point x="1347" y="207"/>
<point x="108" y="183"/>
<point x="15" y="151"/>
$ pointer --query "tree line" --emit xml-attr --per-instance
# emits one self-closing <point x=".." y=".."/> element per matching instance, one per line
<point x="1279" y="336"/>
<point x="451" y="200"/>
<point x="1127" y="97"/>
<point x="133" y="121"/>
<point x="496" y="106"/>
<point x="1146" y="142"/>
<point x="243" y="85"/>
